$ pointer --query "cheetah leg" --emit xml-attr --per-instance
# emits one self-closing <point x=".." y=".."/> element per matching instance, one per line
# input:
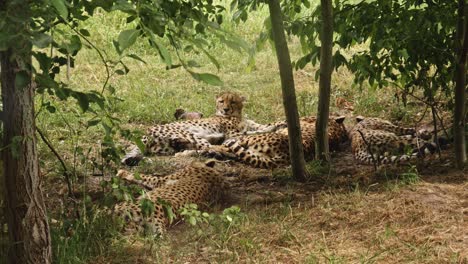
<point x="149" y="182"/>
<point x="219" y="152"/>
<point x="133" y="157"/>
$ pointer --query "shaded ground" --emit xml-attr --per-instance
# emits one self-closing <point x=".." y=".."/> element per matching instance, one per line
<point x="380" y="221"/>
<point x="348" y="213"/>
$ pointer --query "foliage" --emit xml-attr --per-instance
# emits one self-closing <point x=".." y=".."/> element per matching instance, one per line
<point x="192" y="215"/>
<point x="118" y="191"/>
<point x="230" y="217"/>
<point x="79" y="240"/>
<point x="180" y="26"/>
<point x="411" y="176"/>
<point x="410" y="42"/>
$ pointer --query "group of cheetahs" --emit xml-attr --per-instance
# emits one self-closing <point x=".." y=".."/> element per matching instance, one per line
<point x="227" y="135"/>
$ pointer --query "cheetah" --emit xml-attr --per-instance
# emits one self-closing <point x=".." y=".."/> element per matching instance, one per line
<point x="271" y="150"/>
<point x="198" y="134"/>
<point x="375" y="140"/>
<point x="198" y="184"/>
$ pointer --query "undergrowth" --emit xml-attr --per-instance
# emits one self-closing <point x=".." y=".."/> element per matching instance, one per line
<point x="81" y="239"/>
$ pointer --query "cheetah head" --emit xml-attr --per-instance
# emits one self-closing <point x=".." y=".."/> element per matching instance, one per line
<point x="229" y="104"/>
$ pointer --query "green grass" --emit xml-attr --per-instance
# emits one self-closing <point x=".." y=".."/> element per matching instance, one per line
<point x="79" y="240"/>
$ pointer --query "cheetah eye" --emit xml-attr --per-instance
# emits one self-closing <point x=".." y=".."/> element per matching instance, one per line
<point x="220" y="101"/>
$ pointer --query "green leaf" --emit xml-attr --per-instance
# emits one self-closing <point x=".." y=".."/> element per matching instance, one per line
<point x="163" y="52"/>
<point x="403" y="53"/>
<point x="192" y="221"/>
<point x="120" y="72"/>
<point x="75" y="44"/>
<point x="96" y="98"/>
<point x="93" y="122"/>
<point x="237" y="15"/>
<point x="231" y="44"/>
<point x="51" y="108"/>
<point x="85" y="32"/>
<point x="212" y="59"/>
<point x="193" y="64"/>
<point x="167" y="210"/>
<point x="61" y="8"/>
<point x="61" y="92"/>
<point x="136" y="57"/>
<point x="22" y="79"/>
<point x="83" y="100"/>
<point x="207" y="78"/>
<point x="139" y="143"/>
<point x="127" y="38"/>
<point x="111" y="89"/>
<point x="147" y="207"/>
<point x="124" y="6"/>
<point x="116" y="46"/>
<point x="199" y="43"/>
<point x="41" y="40"/>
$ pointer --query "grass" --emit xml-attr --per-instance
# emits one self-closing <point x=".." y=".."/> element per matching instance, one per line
<point x="338" y="228"/>
<point x="76" y="240"/>
<point x="330" y="224"/>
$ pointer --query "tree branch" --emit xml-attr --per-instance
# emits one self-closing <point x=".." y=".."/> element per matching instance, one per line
<point x="66" y="172"/>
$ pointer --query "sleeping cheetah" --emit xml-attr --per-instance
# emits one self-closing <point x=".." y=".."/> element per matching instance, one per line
<point x="271" y="150"/>
<point x="197" y="184"/>
<point x="377" y="140"/>
<point x="198" y="134"/>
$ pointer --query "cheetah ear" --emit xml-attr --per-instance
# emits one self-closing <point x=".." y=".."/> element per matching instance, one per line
<point x="210" y="163"/>
<point x="243" y="99"/>
<point x="340" y="119"/>
<point x="218" y="95"/>
<point x="359" y="119"/>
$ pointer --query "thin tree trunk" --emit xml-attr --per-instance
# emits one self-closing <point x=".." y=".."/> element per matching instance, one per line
<point x="460" y="87"/>
<point x="326" y="38"/>
<point x="24" y="205"/>
<point x="289" y="94"/>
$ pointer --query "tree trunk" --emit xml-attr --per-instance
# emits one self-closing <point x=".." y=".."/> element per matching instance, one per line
<point x="326" y="67"/>
<point x="24" y="206"/>
<point x="289" y="93"/>
<point x="460" y="86"/>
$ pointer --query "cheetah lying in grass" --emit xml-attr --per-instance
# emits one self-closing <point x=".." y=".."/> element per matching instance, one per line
<point x="198" y="134"/>
<point x="375" y="140"/>
<point x="198" y="183"/>
<point x="270" y="150"/>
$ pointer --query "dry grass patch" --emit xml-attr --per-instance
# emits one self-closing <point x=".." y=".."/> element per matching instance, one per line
<point x="329" y="220"/>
